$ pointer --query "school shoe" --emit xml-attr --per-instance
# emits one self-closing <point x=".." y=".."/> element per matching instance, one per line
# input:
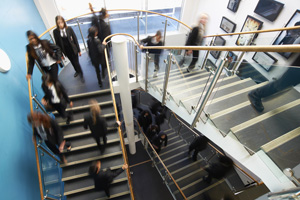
<point x="255" y="102"/>
<point x="76" y="74"/>
<point x="100" y="84"/>
<point x="69" y="119"/>
<point x="155" y="74"/>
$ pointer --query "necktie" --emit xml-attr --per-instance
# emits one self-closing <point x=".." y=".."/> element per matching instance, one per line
<point x="64" y="33"/>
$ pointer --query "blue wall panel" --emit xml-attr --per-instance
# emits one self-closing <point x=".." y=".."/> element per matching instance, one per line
<point x="18" y="165"/>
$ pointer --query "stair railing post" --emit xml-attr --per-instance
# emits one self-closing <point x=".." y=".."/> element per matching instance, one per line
<point x="138" y="26"/>
<point x="81" y="34"/>
<point x="167" y="74"/>
<point x="207" y="52"/>
<point x="165" y="30"/>
<point x="146" y="71"/>
<point x="136" y="63"/>
<point x="208" y="93"/>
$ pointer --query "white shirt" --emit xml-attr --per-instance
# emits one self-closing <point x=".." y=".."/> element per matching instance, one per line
<point x="55" y="98"/>
<point x="62" y="32"/>
<point x="42" y="133"/>
<point x="48" y="60"/>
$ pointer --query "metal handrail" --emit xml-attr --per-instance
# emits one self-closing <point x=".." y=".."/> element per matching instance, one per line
<point x="163" y="164"/>
<point x="39" y="104"/>
<point x="34" y="138"/>
<point x="258" y="183"/>
<point x="119" y="129"/>
<point x="47" y="152"/>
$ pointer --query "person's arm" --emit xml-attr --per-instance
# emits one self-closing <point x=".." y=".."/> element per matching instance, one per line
<point x="85" y="122"/>
<point x="192" y="37"/>
<point x="59" y="134"/>
<point x="57" y="51"/>
<point x="166" y="140"/>
<point x="56" y="34"/>
<point x="30" y="63"/>
<point x="100" y="46"/>
<point x="75" y="40"/>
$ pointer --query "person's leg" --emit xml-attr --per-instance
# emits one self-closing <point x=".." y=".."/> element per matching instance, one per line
<point x="60" y="109"/>
<point x="75" y="62"/>
<point x="195" y="154"/>
<point x="97" y="68"/>
<point x="103" y="65"/>
<point x="106" y="190"/>
<point x="156" y="65"/>
<point x="98" y="143"/>
<point x="53" y="71"/>
<point x="181" y="61"/>
<point x="194" y="60"/>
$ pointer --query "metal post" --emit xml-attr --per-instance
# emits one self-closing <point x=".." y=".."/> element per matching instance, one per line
<point x="207" y="52"/>
<point x="138" y="26"/>
<point x="208" y="93"/>
<point x="167" y="73"/>
<point x="39" y="104"/>
<point x="136" y="63"/>
<point x="81" y="35"/>
<point x="52" y="156"/>
<point x="146" y="75"/>
<point x="165" y="31"/>
<point x="179" y="129"/>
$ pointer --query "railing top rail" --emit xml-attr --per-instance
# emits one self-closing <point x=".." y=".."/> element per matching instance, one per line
<point x="217" y="150"/>
<point x="163" y="164"/>
<point x="259" y="31"/>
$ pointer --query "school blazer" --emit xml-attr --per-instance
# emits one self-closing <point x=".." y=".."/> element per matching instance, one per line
<point x="71" y="38"/>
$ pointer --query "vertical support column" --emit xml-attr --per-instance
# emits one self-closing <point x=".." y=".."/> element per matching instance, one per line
<point x="167" y="74"/>
<point x="165" y="31"/>
<point x="138" y="26"/>
<point x="206" y="55"/>
<point x="208" y="93"/>
<point x="136" y="63"/>
<point x="146" y="72"/>
<point x="119" y="44"/>
<point x="81" y="35"/>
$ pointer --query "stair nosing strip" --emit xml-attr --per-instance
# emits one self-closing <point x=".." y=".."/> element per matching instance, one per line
<point x="69" y="178"/>
<point x="79" y="134"/>
<point x="162" y="74"/>
<point x="173" y="144"/>
<point x="172" y="150"/>
<point x="183" y="152"/>
<point x="85" y="107"/>
<point x="78" y="121"/>
<point x="281" y="140"/>
<point x="187" y="166"/>
<point x="172" y="82"/>
<point x="91" y="159"/>
<point x="90" y="145"/>
<point x="179" y="161"/>
<point x="205" y="189"/>
<point x="264" y="116"/>
<point x="115" y="195"/>
<point x="187" y="175"/>
<point x="89" y="93"/>
<point x="229" y="110"/>
<point x="189" y="185"/>
<point x="92" y="187"/>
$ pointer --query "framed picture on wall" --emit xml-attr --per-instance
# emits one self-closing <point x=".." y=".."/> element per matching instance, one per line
<point x="289" y="36"/>
<point x="210" y="65"/>
<point x="250" y="24"/>
<point x="268" y="9"/>
<point x="232" y="58"/>
<point x="233" y="5"/>
<point x="219" y="41"/>
<point x="227" y="25"/>
<point x="265" y="60"/>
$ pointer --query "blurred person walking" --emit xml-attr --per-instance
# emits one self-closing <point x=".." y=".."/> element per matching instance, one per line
<point x="158" y="141"/>
<point x="198" y="144"/>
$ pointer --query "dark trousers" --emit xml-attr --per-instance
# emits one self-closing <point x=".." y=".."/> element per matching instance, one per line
<point x="74" y="59"/>
<point x="97" y="68"/>
<point x="112" y="175"/>
<point x="103" y="64"/>
<point x="52" y="70"/>
<point x="61" y="109"/>
<point x="98" y="142"/>
<point x="54" y="149"/>
<point x="289" y="78"/>
<point x="194" y="59"/>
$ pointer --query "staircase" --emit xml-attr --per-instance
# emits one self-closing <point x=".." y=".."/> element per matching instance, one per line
<point x="275" y="131"/>
<point x="78" y="184"/>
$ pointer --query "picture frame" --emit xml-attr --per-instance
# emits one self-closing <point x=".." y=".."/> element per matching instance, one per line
<point x="250" y="24"/>
<point x="264" y="59"/>
<point x="289" y="36"/>
<point x="233" y="5"/>
<point x="219" y="41"/>
<point x="210" y="64"/>
<point x="268" y="9"/>
<point x="227" y="25"/>
<point x="232" y="58"/>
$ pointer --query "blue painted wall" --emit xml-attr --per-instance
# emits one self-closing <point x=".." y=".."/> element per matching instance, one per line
<point x="18" y="165"/>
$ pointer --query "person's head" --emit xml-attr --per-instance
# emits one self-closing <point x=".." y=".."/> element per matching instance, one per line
<point x="95" y="167"/>
<point x="158" y="35"/>
<point x="203" y="18"/>
<point x="38" y="119"/>
<point x="47" y="79"/>
<point x="60" y="22"/>
<point x="95" y="110"/>
<point x="163" y="136"/>
<point x="32" y="38"/>
<point x="93" y="32"/>
<point x="103" y="13"/>
<point x="146" y="113"/>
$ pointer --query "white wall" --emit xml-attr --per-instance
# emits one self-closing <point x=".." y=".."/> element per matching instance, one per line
<point x="216" y="9"/>
<point x="48" y="11"/>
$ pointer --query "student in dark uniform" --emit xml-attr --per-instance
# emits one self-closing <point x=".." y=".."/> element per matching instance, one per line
<point x="152" y="131"/>
<point x="49" y="131"/>
<point x="158" y="141"/>
<point x="198" y="144"/>
<point x="46" y="54"/>
<point x="56" y="97"/>
<point x="96" y="52"/>
<point x="66" y="39"/>
<point x="97" y="124"/>
<point x="145" y="119"/>
<point x="103" y="179"/>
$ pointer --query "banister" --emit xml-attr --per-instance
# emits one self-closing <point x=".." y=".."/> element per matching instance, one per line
<point x="34" y="138"/>
<point x="163" y="164"/>
<point x="48" y="153"/>
<point x="119" y="129"/>
<point x="258" y="183"/>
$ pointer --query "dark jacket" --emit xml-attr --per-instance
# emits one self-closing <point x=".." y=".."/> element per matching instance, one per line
<point x="53" y="50"/>
<point x="103" y="179"/>
<point x="148" y="42"/>
<point x="96" y="49"/>
<point x="103" y="27"/>
<point x="71" y="36"/>
<point x="61" y="92"/>
<point x="158" y="141"/>
<point x="99" y="128"/>
<point x="193" y="38"/>
<point x="152" y="131"/>
<point x="54" y="133"/>
<point x="145" y="121"/>
<point x="199" y="143"/>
